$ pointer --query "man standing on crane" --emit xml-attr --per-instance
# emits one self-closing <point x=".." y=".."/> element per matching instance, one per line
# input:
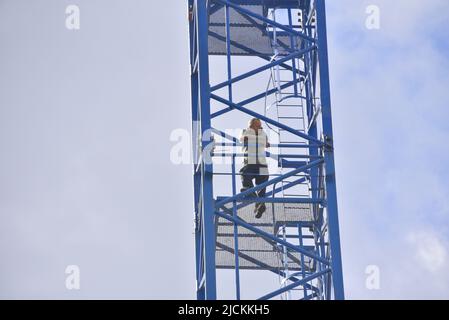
<point x="255" y="167"/>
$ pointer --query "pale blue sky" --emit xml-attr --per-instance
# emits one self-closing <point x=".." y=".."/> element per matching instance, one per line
<point x="85" y="173"/>
<point x="390" y="117"/>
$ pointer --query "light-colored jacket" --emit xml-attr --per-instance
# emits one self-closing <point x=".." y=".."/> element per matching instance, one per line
<point x="254" y="147"/>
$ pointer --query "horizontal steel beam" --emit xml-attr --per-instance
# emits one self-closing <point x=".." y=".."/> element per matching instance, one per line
<point x="242" y="195"/>
<point x="256" y="97"/>
<point x="266" y="119"/>
<point x="268" y="236"/>
<point x="291" y="56"/>
<point x="266" y="20"/>
<point x="294" y="284"/>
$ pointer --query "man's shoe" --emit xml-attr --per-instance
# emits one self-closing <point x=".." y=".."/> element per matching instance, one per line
<point x="260" y="210"/>
<point x="256" y="207"/>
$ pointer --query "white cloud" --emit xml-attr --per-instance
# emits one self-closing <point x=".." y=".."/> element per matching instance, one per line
<point x="430" y="252"/>
<point x="389" y="91"/>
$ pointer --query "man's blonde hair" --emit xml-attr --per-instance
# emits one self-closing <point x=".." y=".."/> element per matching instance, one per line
<point x="251" y="122"/>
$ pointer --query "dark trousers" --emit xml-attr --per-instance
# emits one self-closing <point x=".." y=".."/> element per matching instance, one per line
<point x="252" y="172"/>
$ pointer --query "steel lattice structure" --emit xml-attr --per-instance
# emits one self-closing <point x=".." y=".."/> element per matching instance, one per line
<point x="298" y="237"/>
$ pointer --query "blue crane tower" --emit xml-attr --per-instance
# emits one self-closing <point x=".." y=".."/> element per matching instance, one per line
<point x="282" y="47"/>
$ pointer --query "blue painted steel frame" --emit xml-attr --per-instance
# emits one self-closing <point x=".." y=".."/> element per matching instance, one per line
<point x="314" y="52"/>
<point x="205" y="234"/>
<point x="196" y="175"/>
<point x="331" y="190"/>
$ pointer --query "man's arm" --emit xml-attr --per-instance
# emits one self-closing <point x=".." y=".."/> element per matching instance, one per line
<point x="268" y="143"/>
<point x="243" y="137"/>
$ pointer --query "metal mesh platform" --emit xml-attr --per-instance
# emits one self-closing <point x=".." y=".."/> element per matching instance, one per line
<point x="256" y="252"/>
<point x="249" y="36"/>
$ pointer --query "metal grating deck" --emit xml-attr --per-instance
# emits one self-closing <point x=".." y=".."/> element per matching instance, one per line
<point x="246" y="32"/>
<point x="256" y="252"/>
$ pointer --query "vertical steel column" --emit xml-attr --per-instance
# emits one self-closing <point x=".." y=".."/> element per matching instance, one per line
<point x="234" y="187"/>
<point x="315" y="185"/>
<point x="236" y="238"/>
<point x="293" y="45"/>
<point x="208" y="216"/>
<point x="303" y="266"/>
<point x="330" y="182"/>
<point x="196" y="175"/>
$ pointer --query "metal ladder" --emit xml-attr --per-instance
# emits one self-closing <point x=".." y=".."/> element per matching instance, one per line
<point x="290" y="110"/>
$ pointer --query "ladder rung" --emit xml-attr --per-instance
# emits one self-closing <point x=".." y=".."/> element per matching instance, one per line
<point x="295" y="176"/>
<point x="302" y="184"/>
<point x="298" y="118"/>
<point x="296" y="129"/>
<point x="290" y="106"/>
<point x="283" y="69"/>
<point x="296" y="108"/>
<point x="295" y="142"/>
<point x="289" y="142"/>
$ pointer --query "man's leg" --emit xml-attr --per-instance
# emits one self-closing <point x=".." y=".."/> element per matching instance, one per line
<point x="261" y="178"/>
<point x="247" y="180"/>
